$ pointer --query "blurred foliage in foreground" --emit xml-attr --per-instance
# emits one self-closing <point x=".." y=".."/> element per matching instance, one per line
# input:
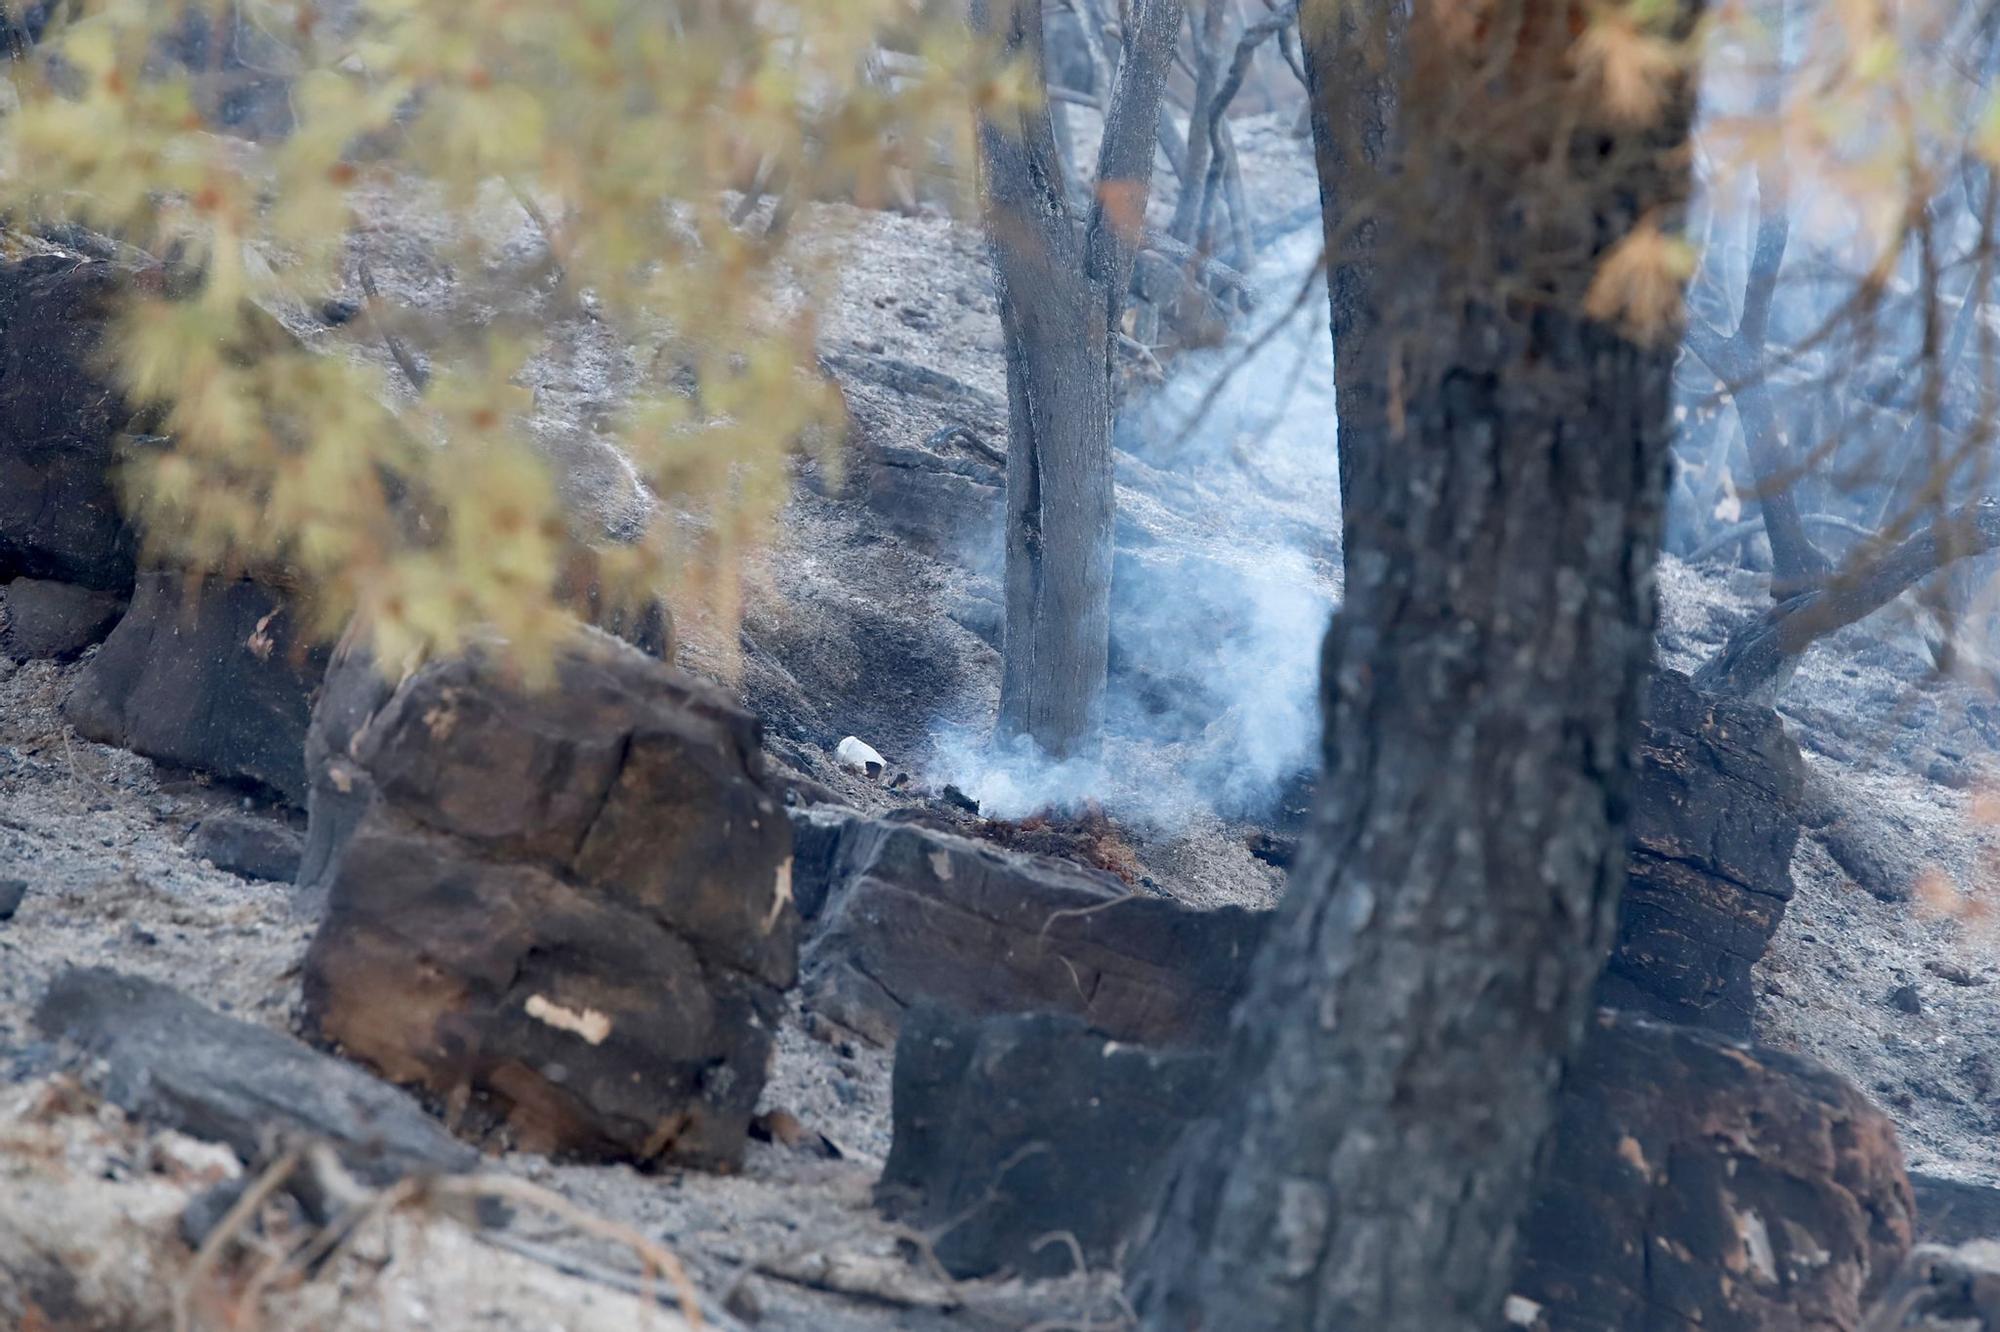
<point x="612" y="132"/>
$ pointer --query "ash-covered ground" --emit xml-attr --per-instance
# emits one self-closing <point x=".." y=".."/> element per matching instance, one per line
<point x="860" y="619"/>
<point x="873" y="616"/>
<point x="1886" y="966"/>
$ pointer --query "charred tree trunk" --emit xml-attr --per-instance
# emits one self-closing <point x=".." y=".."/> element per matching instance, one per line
<point x="1224" y="178"/>
<point x="1737" y="361"/>
<point x="1352" y="89"/>
<point x="1206" y="32"/>
<point x="1062" y="284"/>
<point x="1396" y="1059"/>
<point x="1740" y="363"/>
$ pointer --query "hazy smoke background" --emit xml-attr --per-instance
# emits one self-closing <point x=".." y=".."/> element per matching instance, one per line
<point x="1218" y="614"/>
<point x="1845" y="360"/>
<point x="1227" y="570"/>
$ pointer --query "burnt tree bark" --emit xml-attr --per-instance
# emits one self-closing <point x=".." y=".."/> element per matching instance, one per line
<point x="1350" y="80"/>
<point x="1392" y="1071"/>
<point x="1062" y="283"/>
<point x="1206" y="31"/>
<point x="1737" y="361"/>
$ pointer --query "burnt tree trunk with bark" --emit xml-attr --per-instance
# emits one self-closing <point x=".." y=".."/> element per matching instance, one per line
<point x="1738" y="362"/>
<point x="1206" y="32"/>
<point x="1392" y="1070"/>
<point x="1741" y="364"/>
<point x="1062" y="283"/>
<point x="1350" y="81"/>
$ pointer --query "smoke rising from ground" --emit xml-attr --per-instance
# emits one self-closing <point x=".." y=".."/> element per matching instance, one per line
<point x="1227" y="570"/>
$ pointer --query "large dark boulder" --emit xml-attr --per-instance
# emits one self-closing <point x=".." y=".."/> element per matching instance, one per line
<point x="1692" y="1184"/>
<point x="41" y="620"/>
<point x="1009" y="1129"/>
<point x="1715" y="820"/>
<point x="567" y="913"/>
<point x="905" y="914"/>
<point x="59" y="426"/>
<point x="251" y="845"/>
<point x="210" y="675"/>
<point x="913" y="915"/>
<point x="1696" y="1184"/>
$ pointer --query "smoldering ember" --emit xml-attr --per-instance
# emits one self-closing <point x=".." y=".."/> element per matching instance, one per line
<point x="1189" y="665"/>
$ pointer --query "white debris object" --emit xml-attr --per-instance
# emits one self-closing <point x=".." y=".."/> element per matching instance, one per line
<point x="856" y="755"/>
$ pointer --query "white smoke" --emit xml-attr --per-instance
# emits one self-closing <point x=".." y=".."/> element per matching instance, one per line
<point x="1227" y="572"/>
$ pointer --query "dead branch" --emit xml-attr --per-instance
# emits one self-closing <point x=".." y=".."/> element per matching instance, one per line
<point x="1759" y="660"/>
<point x="418" y="376"/>
<point x="627" y="1283"/>
<point x="1222" y="149"/>
<point x="866" y="1276"/>
<point x="314" y="1174"/>
<point x="234" y="1222"/>
<point x="1743" y="531"/>
<point x="656" y="1258"/>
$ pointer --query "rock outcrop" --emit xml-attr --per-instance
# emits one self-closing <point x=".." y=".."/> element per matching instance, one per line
<point x="907" y="915"/>
<point x="1694" y="1183"/>
<point x="59" y="427"/>
<point x="43" y="620"/>
<point x="1009" y="1130"/>
<point x="164" y="1059"/>
<point x="567" y="913"/>
<point x="943" y="495"/>
<point x="1953" y="1211"/>
<point x="210" y="675"/>
<point x="1714" y="823"/>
